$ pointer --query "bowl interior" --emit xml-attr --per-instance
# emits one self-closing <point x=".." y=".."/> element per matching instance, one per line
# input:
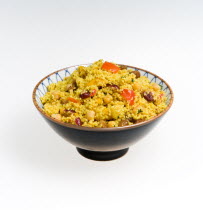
<point x="41" y="87"/>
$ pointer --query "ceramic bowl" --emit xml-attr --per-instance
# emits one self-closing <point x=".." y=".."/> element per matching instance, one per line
<point x="100" y="143"/>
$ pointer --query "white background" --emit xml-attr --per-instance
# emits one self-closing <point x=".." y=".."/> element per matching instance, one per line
<point x="38" y="169"/>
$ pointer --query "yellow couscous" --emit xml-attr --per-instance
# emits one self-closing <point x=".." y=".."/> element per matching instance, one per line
<point x="104" y="95"/>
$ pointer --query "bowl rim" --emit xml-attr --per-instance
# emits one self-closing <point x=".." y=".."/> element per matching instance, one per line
<point x="96" y="129"/>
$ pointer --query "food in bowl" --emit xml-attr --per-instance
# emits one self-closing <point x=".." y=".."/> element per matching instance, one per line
<point x="104" y="94"/>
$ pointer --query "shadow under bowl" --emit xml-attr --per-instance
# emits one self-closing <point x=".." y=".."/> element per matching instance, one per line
<point x="100" y="143"/>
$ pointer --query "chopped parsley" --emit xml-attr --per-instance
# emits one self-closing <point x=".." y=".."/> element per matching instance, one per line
<point x="133" y="80"/>
<point x="139" y="111"/>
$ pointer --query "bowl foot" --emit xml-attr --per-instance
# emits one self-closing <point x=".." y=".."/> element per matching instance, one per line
<point x="102" y="156"/>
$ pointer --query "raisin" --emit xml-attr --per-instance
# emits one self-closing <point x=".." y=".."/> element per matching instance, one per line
<point x="78" y="121"/>
<point x="113" y="86"/>
<point x="131" y="120"/>
<point x="85" y="95"/>
<point x="136" y="73"/>
<point x="148" y="96"/>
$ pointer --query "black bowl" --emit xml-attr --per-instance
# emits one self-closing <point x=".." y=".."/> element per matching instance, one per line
<point x="100" y="143"/>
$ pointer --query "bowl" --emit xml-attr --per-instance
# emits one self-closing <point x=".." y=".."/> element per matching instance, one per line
<point x="100" y="143"/>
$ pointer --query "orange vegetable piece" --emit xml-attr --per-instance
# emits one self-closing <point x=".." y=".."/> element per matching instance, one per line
<point x="110" y="67"/>
<point x="93" y="93"/>
<point x="73" y="100"/>
<point x="128" y="95"/>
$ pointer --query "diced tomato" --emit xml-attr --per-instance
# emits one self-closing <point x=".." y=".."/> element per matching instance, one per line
<point x="161" y="95"/>
<point x="73" y="100"/>
<point x="93" y="93"/>
<point x="128" y="95"/>
<point x="132" y="102"/>
<point x="110" y="67"/>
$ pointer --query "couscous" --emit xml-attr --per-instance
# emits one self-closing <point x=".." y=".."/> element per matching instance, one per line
<point x="102" y="95"/>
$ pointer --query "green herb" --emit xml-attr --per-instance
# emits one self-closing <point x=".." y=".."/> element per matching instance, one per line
<point x="139" y="111"/>
<point x="133" y="80"/>
<point x="123" y="77"/>
<point x="105" y="93"/>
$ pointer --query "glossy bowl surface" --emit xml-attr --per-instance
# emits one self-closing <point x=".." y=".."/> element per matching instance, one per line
<point x="100" y="143"/>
